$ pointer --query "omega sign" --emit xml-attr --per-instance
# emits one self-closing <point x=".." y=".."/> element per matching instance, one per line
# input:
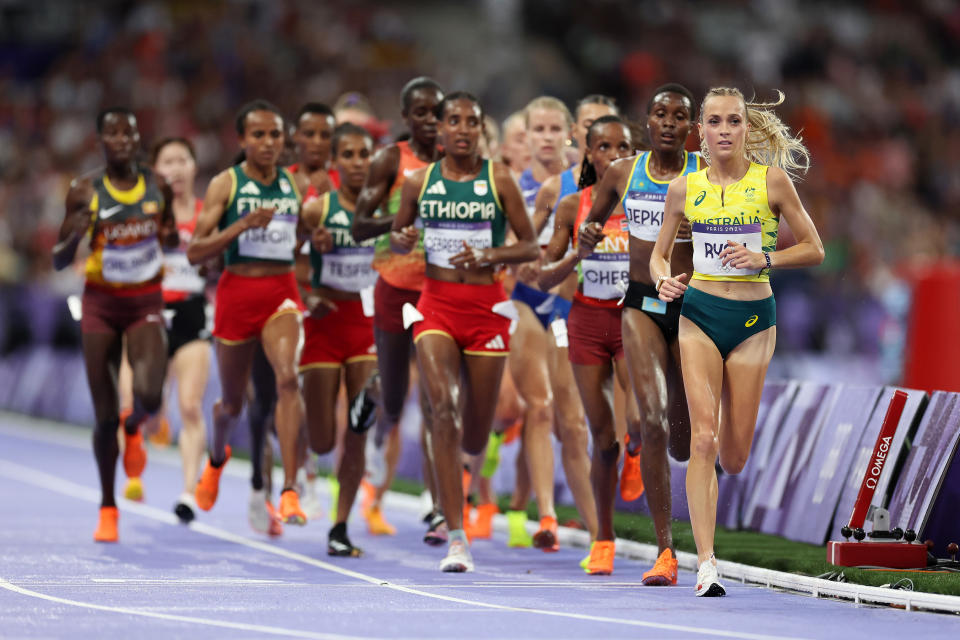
<point x="879" y="458"/>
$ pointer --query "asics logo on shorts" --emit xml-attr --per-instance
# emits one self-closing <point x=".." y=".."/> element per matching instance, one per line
<point x="437" y="189"/>
<point x="496" y="343"/>
<point x="752" y="321"/>
<point x="250" y="189"/>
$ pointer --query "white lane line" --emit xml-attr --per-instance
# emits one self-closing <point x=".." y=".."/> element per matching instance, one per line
<point x="28" y="475"/>
<point x="198" y="582"/>
<point x="239" y="626"/>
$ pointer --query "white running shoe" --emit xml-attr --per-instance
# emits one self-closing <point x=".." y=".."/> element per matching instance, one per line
<point x="309" y="501"/>
<point x="708" y="581"/>
<point x="257" y="513"/>
<point x="458" y="558"/>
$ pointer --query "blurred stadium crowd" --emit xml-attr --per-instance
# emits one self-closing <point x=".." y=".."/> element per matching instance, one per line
<point x="874" y="85"/>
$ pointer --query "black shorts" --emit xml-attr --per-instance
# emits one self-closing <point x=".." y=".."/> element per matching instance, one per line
<point x="644" y="297"/>
<point x="188" y="322"/>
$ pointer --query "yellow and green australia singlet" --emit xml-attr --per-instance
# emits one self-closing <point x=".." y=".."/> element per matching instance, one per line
<point x="349" y="266"/>
<point x="740" y="213"/>
<point x="125" y="253"/>
<point x="404" y="271"/>
<point x="456" y="212"/>
<point x="276" y="242"/>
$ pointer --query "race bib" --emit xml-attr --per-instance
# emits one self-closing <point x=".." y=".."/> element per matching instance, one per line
<point x="605" y="275"/>
<point x="644" y="213"/>
<point x="442" y="240"/>
<point x="276" y="242"/>
<point x="349" y="269"/>
<point x="179" y="274"/>
<point x="132" y="264"/>
<point x="709" y="240"/>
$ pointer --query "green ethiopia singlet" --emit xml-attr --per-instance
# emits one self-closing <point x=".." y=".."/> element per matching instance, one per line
<point x="276" y="242"/>
<point x="456" y="212"/>
<point x="349" y="266"/>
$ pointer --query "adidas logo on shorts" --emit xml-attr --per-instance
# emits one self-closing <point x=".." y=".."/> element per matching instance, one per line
<point x="437" y="189"/>
<point x="496" y="343"/>
<point x="250" y="189"/>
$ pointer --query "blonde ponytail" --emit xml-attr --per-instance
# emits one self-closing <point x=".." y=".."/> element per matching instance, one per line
<point x="769" y="140"/>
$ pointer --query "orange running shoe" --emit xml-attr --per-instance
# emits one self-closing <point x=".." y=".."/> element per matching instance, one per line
<point x="107" y="527"/>
<point x="513" y="431"/>
<point x="482" y="525"/>
<point x="467" y="479"/>
<point x="664" y="572"/>
<point x="546" y="538"/>
<point x="369" y="493"/>
<point x="209" y="484"/>
<point x="601" y="558"/>
<point x="275" y="528"/>
<point x="134" y="455"/>
<point x="376" y="524"/>
<point x="290" y="511"/>
<point x="631" y="480"/>
<point x="162" y="436"/>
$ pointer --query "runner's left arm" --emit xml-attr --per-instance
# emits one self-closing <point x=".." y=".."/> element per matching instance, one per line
<point x="168" y="233"/>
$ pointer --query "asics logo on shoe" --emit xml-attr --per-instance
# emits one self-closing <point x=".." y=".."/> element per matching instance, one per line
<point x="340" y="218"/>
<point x="250" y="189"/>
<point x="496" y="343"/>
<point x="437" y="189"/>
<point x="106" y="213"/>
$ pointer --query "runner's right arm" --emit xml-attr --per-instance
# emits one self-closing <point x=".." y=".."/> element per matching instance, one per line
<point x="561" y="262"/>
<point x="376" y="187"/>
<point x="76" y="222"/>
<point x="208" y="241"/>
<point x="608" y="193"/>
<point x="403" y="235"/>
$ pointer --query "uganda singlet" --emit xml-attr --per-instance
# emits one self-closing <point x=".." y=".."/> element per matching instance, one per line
<point x="348" y="267"/>
<point x="404" y="271"/>
<point x="125" y="249"/>
<point x="456" y="212"/>
<point x="275" y="243"/>
<point x="741" y="213"/>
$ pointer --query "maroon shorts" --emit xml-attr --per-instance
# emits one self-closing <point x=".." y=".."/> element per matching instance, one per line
<point x="105" y="311"/>
<point x="388" y="302"/>
<point x="594" y="333"/>
<point x="245" y="304"/>
<point x="464" y="313"/>
<point x="340" y="337"/>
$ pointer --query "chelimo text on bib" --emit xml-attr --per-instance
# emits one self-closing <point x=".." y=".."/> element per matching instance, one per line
<point x="133" y="263"/>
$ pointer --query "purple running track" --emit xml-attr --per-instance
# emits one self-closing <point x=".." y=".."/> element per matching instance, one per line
<point x="217" y="577"/>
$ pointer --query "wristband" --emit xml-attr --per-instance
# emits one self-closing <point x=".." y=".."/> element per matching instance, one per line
<point x="766" y="257"/>
<point x="659" y="284"/>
